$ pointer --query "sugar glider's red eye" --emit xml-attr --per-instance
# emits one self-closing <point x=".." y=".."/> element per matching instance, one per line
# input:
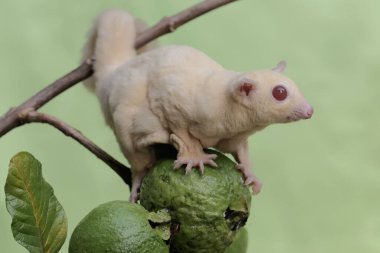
<point x="279" y="93"/>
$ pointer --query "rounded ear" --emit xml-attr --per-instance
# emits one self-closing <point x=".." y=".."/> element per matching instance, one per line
<point x="281" y="66"/>
<point x="244" y="88"/>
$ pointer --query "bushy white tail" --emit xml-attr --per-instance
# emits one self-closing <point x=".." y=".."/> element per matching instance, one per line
<point x="110" y="42"/>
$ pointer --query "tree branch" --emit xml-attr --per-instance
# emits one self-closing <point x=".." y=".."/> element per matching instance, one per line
<point x="170" y="24"/>
<point x="26" y="112"/>
<point x="11" y="119"/>
<point x="67" y="130"/>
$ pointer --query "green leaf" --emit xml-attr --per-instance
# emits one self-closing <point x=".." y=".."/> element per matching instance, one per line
<point x="160" y="221"/>
<point x="161" y="216"/>
<point x="39" y="222"/>
<point x="163" y="231"/>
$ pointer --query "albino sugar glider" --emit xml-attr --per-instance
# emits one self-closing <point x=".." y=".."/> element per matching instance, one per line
<point x="179" y="95"/>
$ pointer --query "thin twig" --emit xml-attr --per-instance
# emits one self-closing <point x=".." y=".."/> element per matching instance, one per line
<point x="170" y="24"/>
<point x="26" y="112"/>
<point x="12" y="120"/>
<point x="67" y="130"/>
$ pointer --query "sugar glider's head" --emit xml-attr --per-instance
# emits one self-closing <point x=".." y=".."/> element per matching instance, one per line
<point x="272" y="97"/>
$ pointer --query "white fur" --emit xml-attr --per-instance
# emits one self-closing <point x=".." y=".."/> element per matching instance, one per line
<point x="179" y="95"/>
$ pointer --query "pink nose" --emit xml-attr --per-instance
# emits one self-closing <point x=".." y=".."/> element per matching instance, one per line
<point x="308" y="111"/>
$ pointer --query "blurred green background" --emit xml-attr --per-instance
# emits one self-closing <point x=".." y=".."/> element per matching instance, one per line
<point x="321" y="176"/>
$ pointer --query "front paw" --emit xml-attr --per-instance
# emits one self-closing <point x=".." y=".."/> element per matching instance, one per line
<point x="195" y="161"/>
<point x="255" y="184"/>
<point x="250" y="179"/>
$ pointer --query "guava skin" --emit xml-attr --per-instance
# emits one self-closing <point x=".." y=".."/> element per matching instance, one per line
<point x="116" y="227"/>
<point x="240" y="243"/>
<point x="210" y="208"/>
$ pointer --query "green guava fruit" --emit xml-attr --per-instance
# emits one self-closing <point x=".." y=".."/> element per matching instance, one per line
<point x="240" y="243"/>
<point x="117" y="227"/>
<point x="208" y="209"/>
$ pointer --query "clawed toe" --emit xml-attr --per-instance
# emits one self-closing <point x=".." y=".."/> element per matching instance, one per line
<point x="211" y="163"/>
<point x="189" y="166"/>
<point x="254" y="183"/>
<point x="250" y="179"/>
<point x="178" y="164"/>
<point x="201" y="167"/>
<point x="211" y="156"/>
<point x="206" y="159"/>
